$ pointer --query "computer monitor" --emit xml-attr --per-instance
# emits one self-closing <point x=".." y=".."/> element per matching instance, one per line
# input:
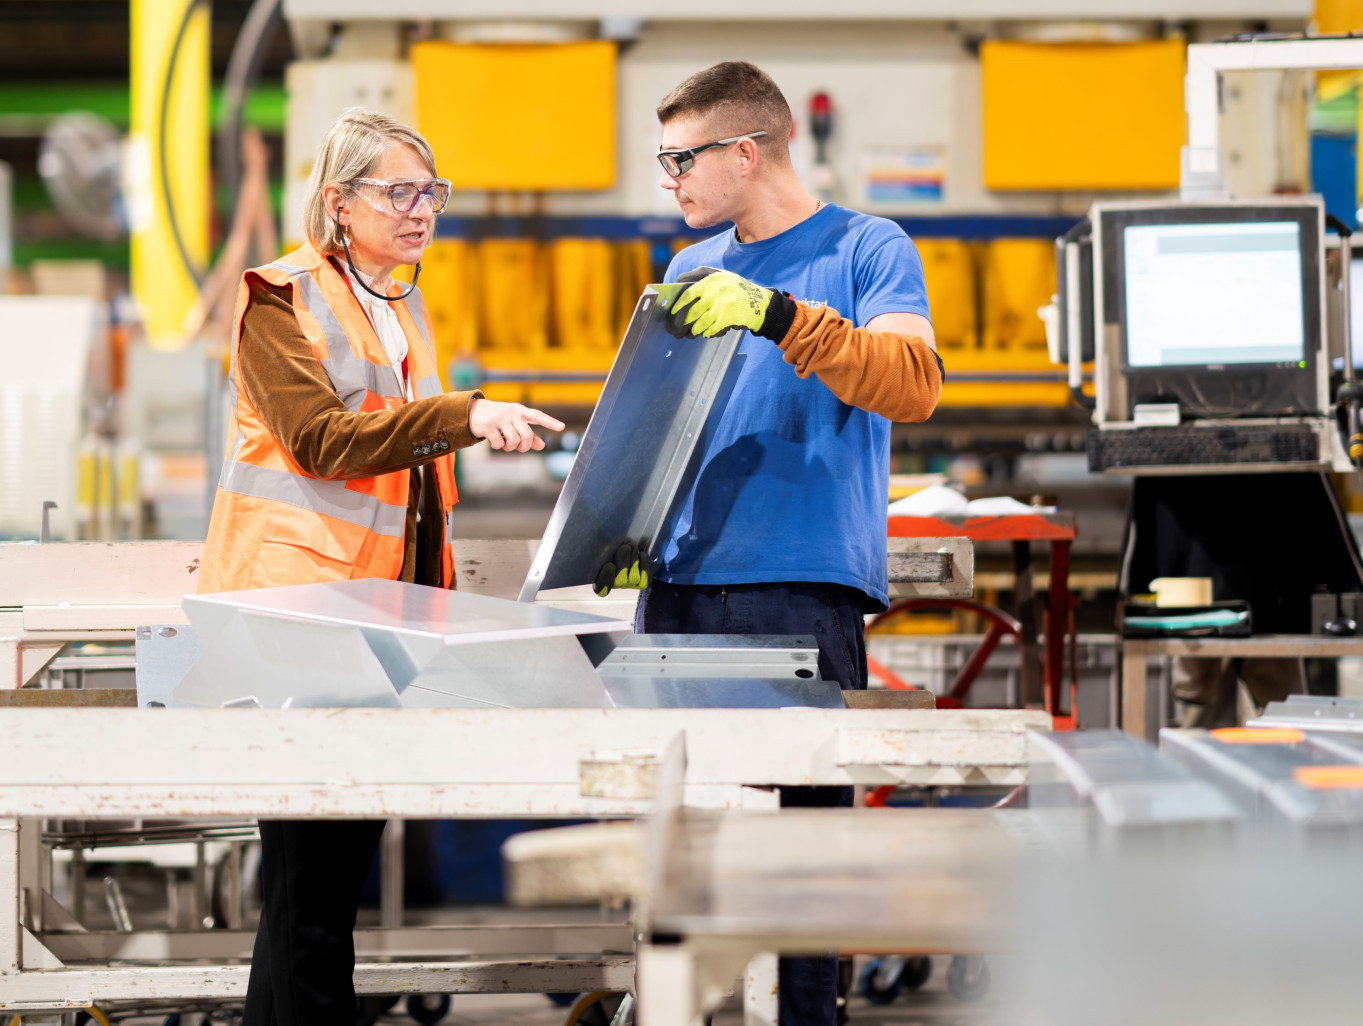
<point x="1215" y="307"/>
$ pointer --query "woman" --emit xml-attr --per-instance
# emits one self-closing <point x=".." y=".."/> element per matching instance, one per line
<point x="341" y="466"/>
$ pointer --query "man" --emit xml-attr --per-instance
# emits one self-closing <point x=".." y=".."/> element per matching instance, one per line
<point x="784" y="528"/>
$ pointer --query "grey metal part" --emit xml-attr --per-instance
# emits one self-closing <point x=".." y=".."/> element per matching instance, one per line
<point x="274" y="662"/>
<point x="1313" y="712"/>
<point x="547" y="674"/>
<point x="636" y="449"/>
<point x="704" y="655"/>
<point x="164" y="654"/>
<point x="722" y="693"/>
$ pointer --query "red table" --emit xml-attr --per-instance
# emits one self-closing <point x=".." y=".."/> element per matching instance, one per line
<point x="1019" y="529"/>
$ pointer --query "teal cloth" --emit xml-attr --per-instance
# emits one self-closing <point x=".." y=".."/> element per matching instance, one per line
<point x="1185" y="621"/>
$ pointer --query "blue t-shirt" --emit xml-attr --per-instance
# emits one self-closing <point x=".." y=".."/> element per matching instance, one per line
<point x="793" y="484"/>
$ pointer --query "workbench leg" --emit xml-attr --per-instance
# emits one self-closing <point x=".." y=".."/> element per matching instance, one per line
<point x="1057" y="626"/>
<point x="1024" y="602"/>
<point x="11" y="655"/>
<point x="391" y="881"/>
<point x="667" y="987"/>
<point x="1133" y="690"/>
<point x="761" y="994"/>
<point x="11" y="929"/>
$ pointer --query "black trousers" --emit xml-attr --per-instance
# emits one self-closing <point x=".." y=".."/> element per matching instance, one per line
<point x="303" y="966"/>
<point x="833" y="615"/>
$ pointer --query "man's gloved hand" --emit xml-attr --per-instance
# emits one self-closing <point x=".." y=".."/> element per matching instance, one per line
<point x="720" y="300"/>
<point x="626" y="567"/>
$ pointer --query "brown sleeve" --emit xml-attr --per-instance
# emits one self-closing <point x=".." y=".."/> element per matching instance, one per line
<point x="897" y="376"/>
<point x="288" y="386"/>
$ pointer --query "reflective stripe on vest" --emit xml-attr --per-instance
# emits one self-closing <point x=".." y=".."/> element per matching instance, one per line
<point x="352" y="376"/>
<point x="330" y="498"/>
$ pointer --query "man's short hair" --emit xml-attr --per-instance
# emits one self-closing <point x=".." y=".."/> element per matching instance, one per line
<point x="735" y="97"/>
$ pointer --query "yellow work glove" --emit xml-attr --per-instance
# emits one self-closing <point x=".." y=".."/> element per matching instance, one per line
<point x="720" y="300"/>
<point x="626" y="567"/>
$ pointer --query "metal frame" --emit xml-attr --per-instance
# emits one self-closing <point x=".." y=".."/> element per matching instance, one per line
<point x="1201" y="175"/>
<point x="510" y="763"/>
<point x="338" y="763"/>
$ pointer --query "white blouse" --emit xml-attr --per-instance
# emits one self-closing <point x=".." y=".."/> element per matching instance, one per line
<point x="386" y="326"/>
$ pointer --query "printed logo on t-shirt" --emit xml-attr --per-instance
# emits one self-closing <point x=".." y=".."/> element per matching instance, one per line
<point x="815" y="303"/>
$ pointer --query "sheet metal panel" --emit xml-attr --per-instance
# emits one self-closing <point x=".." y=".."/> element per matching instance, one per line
<point x="452" y="617"/>
<point x="636" y="450"/>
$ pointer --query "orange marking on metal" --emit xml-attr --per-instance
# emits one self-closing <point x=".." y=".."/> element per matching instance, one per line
<point x="1329" y="778"/>
<point x="1258" y="736"/>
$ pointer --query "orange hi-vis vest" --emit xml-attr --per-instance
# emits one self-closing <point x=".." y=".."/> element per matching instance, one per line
<point x="274" y="524"/>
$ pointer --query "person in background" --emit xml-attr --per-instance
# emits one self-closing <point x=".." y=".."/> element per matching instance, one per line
<point x="340" y="466"/>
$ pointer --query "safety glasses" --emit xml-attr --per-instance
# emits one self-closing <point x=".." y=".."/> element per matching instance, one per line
<point x="677" y="162"/>
<point x="404" y="196"/>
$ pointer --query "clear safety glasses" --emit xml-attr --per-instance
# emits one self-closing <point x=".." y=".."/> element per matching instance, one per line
<point x="677" y="162"/>
<point x="404" y="196"/>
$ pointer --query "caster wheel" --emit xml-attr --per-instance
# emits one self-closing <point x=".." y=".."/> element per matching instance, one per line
<point x="597" y="1009"/>
<point x="966" y="981"/>
<point x="873" y="988"/>
<point x="428" y="1009"/>
<point x="917" y="971"/>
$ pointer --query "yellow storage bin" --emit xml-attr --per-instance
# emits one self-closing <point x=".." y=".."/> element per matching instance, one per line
<point x="949" y="273"/>
<point x="449" y="286"/>
<point x="1019" y="278"/>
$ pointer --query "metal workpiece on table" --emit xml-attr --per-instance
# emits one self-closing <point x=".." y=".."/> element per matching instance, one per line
<point x="1136" y="797"/>
<point x="636" y="449"/>
<point x="386" y="644"/>
<point x="1294" y="790"/>
<point x="383" y="644"/>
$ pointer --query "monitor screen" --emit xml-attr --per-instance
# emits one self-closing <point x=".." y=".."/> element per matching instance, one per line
<point x="1214" y="294"/>
<point x="1217" y="307"/>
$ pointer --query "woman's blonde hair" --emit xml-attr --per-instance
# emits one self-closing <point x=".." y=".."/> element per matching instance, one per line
<point x="352" y="149"/>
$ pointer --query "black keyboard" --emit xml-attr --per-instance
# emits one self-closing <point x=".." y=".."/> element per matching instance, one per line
<point x="1189" y="445"/>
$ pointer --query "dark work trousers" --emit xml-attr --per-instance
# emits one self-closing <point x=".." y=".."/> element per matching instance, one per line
<point x="303" y="966"/>
<point x="832" y="614"/>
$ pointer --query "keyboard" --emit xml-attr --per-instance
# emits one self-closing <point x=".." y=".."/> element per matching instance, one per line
<point x="1188" y="445"/>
